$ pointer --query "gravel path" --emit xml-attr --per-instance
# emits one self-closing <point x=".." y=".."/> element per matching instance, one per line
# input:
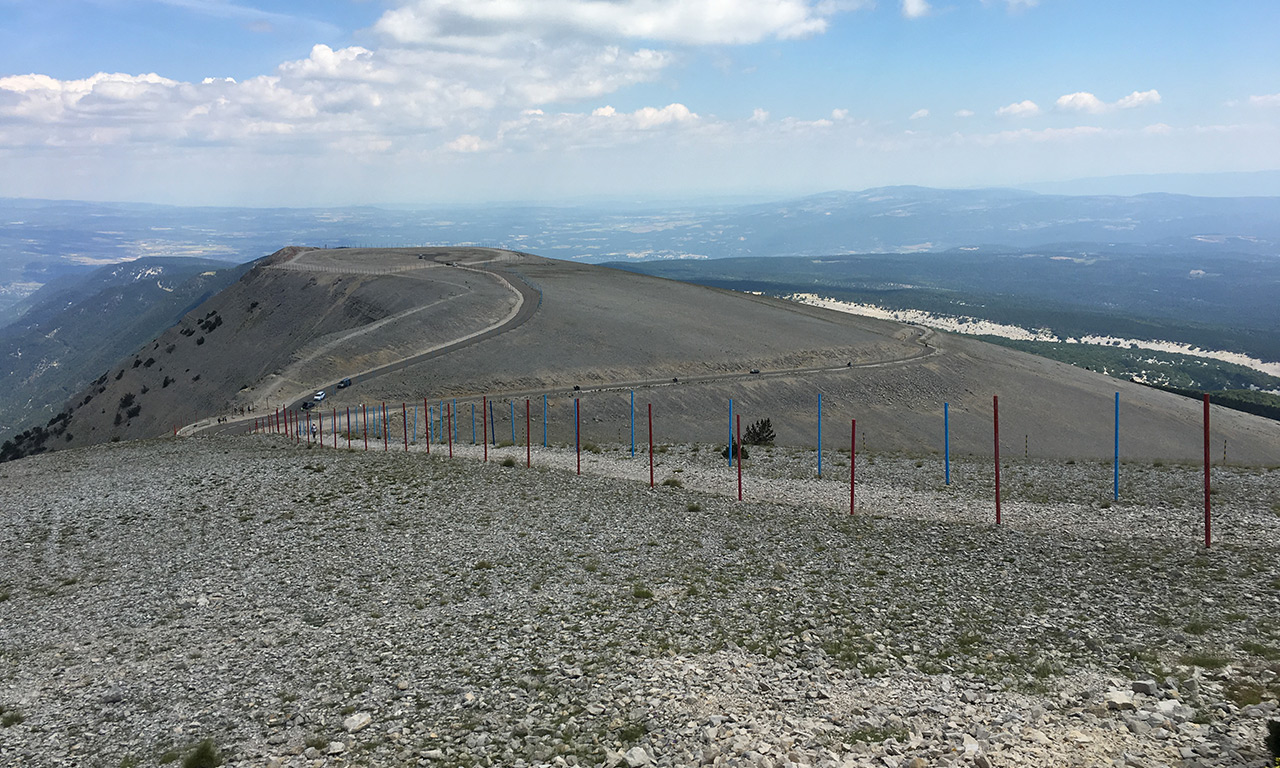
<point x="307" y="607"/>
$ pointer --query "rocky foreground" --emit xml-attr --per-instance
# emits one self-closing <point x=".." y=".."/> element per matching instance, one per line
<point x="292" y="606"/>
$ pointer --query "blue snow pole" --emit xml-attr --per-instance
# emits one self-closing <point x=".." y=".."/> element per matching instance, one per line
<point x="544" y="421"/>
<point x="493" y="430"/>
<point x="946" y="441"/>
<point x="513" y="421"/>
<point x="819" y="435"/>
<point x="473" y="423"/>
<point x="633" y="423"/>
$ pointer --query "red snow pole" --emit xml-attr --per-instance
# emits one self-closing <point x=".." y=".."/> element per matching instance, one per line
<point x="528" y="440"/>
<point x="995" y="410"/>
<point x="450" y="412"/>
<point x="853" y="446"/>
<point x="650" y="445"/>
<point x="404" y="414"/>
<point x="739" y="441"/>
<point x="484" y="424"/>
<point x="1208" y="523"/>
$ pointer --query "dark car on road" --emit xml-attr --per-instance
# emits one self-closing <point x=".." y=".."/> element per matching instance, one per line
<point x="344" y="383"/>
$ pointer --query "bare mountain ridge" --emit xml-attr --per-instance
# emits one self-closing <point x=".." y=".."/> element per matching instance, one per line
<point x="302" y="319"/>
<point x="75" y="326"/>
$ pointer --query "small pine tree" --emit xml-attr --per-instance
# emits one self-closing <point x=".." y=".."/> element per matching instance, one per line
<point x="760" y="433"/>
<point x="725" y="452"/>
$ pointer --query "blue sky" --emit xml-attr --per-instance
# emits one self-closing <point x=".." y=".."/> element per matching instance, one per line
<point x="336" y="102"/>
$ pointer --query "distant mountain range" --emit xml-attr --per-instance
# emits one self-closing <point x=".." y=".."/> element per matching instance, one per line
<point x="41" y="239"/>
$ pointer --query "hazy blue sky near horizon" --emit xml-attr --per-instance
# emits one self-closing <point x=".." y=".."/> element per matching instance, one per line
<point x="335" y="102"/>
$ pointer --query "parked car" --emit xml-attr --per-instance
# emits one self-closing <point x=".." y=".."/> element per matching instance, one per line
<point x="308" y="405"/>
<point x="755" y="370"/>
<point x="344" y="383"/>
<point x="319" y="396"/>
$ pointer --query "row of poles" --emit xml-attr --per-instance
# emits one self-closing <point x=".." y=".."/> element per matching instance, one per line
<point x="441" y="425"/>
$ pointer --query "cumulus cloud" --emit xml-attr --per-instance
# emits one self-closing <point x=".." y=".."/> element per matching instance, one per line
<point x="458" y="67"/>
<point x="468" y="23"/>
<point x="1139" y="99"/>
<point x="1269" y="100"/>
<point x="1081" y="102"/>
<point x="839" y="114"/>
<point x="919" y="113"/>
<point x="1026" y="108"/>
<point x="1084" y="101"/>
<point x="539" y="130"/>
<point x="758" y="115"/>
<point x="653" y="117"/>
<point x="914" y="9"/>
<point x="964" y="113"/>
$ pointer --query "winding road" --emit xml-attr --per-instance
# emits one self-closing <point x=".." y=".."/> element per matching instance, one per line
<point x="528" y="302"/>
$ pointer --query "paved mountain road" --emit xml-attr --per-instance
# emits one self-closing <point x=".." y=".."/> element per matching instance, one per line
<point x="527" y="306"/>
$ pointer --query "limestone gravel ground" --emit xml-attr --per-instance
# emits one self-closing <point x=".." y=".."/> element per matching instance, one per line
<point x="305" y="607"/>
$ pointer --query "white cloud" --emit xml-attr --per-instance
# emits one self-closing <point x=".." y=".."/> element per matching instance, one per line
<point x="354" y="64"/>
<point x="1081" y="102"/>
<point x="1026" y="108"/>
<point x="1136" y="99"/>
<point x="914" y="9"/>
<point x="964" y="113"/>
<point x="540" y="131"/>
<point x="469" y="23"/>
<point x="1158" y="129"/>
<point x="839" y="114"/>
<point x="456" y="67"/>
<point x="794" y="124"/>
<point x="1269" y="100"/>
<point x="919" y="113"/>
<point x="1084" y="101"/>
<point x="758" y="115"/>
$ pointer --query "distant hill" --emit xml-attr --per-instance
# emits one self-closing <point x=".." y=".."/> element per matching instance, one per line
<point x="78" y="324"/>
<point x="1225" y="301"/>
<point x="1226" y="184"/>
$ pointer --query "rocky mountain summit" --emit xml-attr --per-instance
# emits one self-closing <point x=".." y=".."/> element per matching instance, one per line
<point x="287" y="605"/>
